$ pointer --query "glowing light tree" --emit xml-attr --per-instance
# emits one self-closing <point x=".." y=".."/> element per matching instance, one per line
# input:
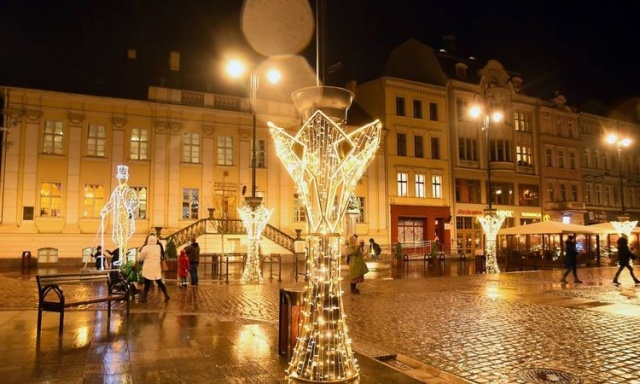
<point x="491" y="224"/>
<point x="254" y="219"/>
<point x="325" y="162"/>
<point x="123" y="205"/>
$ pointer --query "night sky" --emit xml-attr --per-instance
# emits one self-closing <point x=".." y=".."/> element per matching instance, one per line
<point x="585" y="51"/>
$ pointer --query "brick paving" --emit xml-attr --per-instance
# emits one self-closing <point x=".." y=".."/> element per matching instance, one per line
<point x="518" y="327"/>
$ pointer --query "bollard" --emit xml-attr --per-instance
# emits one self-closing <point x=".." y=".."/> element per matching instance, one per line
<point x="26" y="259"/>
<point x="481" y="264"/>
<point x="291" y="302"/>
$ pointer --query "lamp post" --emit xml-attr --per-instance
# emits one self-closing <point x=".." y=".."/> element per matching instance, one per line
<point x="254" y="215"/>
<point x="490" y="220"/>
<point x="623" y="225"/>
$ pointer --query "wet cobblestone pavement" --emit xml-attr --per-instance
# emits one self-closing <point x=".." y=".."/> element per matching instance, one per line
<point x="517" y="327"/>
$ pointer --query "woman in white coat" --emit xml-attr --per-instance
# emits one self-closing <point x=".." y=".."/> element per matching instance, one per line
<point x="151" y="256"/>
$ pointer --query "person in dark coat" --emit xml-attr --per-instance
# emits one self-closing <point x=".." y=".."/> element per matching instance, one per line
<point x="571" y="259"/>
<point x="624" y="257"/>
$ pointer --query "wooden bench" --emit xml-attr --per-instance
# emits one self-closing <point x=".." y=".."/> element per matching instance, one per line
<point x="51" y="297"/>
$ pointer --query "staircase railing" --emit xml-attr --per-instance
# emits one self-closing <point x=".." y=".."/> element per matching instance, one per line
<point x="227" y="226"/>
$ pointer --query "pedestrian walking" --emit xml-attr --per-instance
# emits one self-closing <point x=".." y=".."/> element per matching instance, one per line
<point x="193" y="253"/>
<point x="183" y="268"/>
<point x="357" y="266"/>
<point x="571" y="259"/>
<point x="151" y="256"/>
<point x="624" y="259"/>
<point x="374" y="249"/>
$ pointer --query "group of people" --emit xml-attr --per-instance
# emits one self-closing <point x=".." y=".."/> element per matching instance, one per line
<point x="625" y="256"/>
<point x="150" y="257"/>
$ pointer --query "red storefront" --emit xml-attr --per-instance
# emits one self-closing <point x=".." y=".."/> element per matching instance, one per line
<point x="411" y="223"/>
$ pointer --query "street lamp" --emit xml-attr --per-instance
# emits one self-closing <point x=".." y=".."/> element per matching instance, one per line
<point x="623" y="225"/>
<point x="490" y="220"/>
<point x="254" y="215"/>
<point x="237" y="68"/>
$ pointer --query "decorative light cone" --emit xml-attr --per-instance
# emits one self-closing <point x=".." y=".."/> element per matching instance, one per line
<point x="255" y="218"/>
<point x="491" y="223"/>
<point x="326" y="163"/>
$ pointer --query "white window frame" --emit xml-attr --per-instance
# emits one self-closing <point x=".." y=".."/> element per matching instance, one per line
<point x="96" y="140"/>
<point x="53" y="138"/>
<point x="139" y="144"/>
<point x="190" y="203"/>
<point x="225" y="150"/>
<point x="402" y="181"/>
<point x="93" y="201"/>
<point x="420" y="180"/>
<point x="191" y="147"/>
<point x="50" y="199"/>
<point x="436" y="186"/>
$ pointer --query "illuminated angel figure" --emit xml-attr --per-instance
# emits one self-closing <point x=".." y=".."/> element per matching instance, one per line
<point x="122" y="205"/>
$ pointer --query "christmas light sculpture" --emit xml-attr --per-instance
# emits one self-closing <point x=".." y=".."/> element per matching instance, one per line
<point x="255" y="219"/>
<point x="325" y="163"/>
<point x="491" y="223"/>
<point x="624" y="227"/>
<point x="123" y="205"/>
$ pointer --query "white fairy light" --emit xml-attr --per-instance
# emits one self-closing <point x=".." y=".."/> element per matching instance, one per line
<point x="624" y="227"/>
<point x="255" y="220"/>
<point x="491" y="224"/>
<point x="325" y="163"/>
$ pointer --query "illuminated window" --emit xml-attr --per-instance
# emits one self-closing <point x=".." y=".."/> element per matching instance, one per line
<point x="50" y="199"/>
<point x="52" y="140"/>
<point x="191" y="148"/>
<point x="436" y="186"/>
<point x="93" y="200"/>
<point x="299" y="211"/>
<point x="523" y="156"/>
<point x="47" y="255"/>
<point x="522" y="121"/>
<point x="96" y="140"/>
<point x="143" y="199"/>
<point x="261" y="154"/>
<point x="190" y="203"/>
<point x="139" y="143"/>
<point x="529" y="195"/>
<point x="420" y="187"/>
<point x="225" y="150"/>
<point x="402" y="184"/>
<point x="410" y="231"/>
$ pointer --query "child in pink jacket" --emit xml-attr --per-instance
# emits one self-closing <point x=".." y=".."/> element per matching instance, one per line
<point x="183" y="268"/>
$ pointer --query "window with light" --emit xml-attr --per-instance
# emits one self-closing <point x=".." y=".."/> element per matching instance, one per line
<point x="191" y="148"/>
<point x="139" y="144"/>
<point x="225" y="150"/>
<point x="93" y="201"/>
<point x="96" y="140"/>
<point x="50" y="199"/>
<point x="143" y="199"/>
<point x="190" y="203"/>
<point x="420" y="185"/>
<point x="53" y="138"/>
<point x="299" y="211"/>
<point x="436" y="186"/>
<point x="402" y="179"/>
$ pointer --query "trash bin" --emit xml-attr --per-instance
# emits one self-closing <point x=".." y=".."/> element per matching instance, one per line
<point x="289" y="324"/>
<point x="26" y="259"/>
<point x="481" y="264"/>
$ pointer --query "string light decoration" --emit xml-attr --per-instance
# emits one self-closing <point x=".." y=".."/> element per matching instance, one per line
<point x="325" y="163"/>
<point x="255" y="219"/>
<point x="123" y="204"/>
<point x="491" y="224"/>
<point x="624" y="227"/>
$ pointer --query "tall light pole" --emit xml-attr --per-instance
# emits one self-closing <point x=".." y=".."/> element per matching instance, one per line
<point x="623" y="225"/>
<point x="254" y="215"/>
<point x="236" y="68"/>
<point x="490" y="220"/>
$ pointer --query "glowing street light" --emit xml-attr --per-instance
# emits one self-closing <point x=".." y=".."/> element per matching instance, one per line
<point x="490" y="221"/>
